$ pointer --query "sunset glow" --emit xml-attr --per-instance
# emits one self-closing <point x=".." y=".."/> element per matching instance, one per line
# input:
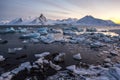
<point x="60" y="9"/>
<point x="116" y="20"/>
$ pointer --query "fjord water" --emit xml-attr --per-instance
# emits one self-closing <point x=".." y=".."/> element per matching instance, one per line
<point x="88" y="56"/>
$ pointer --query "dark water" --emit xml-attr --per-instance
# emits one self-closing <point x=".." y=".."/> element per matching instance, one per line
<point x="89" y="56"/>
<point x="69" y="49"/>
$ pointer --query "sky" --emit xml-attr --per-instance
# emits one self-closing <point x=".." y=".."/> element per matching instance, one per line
<point x="60" y="9"/>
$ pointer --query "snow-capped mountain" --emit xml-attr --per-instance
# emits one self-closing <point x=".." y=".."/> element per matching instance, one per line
<point x="66" y="21"/>
<point x="91" y="21"/>
<point x="42" y="20"/>
<point x="39" y="20"/>
<point x="16" y="21"/>
<point x="4" y="22"/>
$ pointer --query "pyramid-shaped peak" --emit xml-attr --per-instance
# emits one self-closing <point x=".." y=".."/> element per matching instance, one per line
<point x="41" y="15"/>
<point x="42" y="19"/>
<point x="89" y="17"/>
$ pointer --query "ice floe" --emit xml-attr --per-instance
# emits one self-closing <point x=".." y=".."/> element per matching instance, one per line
<point x="13" y="50"/>
<point x="43" y="31"/>
<point x="30" y="35"/>
<point x="71" y="68"/>
<point x="40" y="61"/>
<point x="96" y="45"/>
<point x="59" y="57"/>
<point x="21" y="30"/>
<point x="2" y="58"/>
<point x="9" y="75"/>
<point x="55" y="31"/>
<point x="107" y="60"/>
<point x="10" y="30"/>
<point x="77" y="56"/>
<point x="34" y="40"/>
<point x="54" y="66"/>
<point x="42" y="54"/>
<point x="7" y="30"/>
<point x="48" y="38"/>
<point x="92" y="73"/>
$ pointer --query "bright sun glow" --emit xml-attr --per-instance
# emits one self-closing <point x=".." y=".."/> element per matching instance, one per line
<point x="116" y="20"/>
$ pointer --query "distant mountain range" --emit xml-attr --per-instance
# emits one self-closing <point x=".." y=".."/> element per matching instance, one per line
<point x="42" y="20"/>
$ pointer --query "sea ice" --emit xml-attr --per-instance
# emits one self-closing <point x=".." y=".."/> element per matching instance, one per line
<point x="71" y="68"/>
<point x="48" y="39"/>
<point x="77" y="56"/>
<point x="13" y="50"/>
<point x="42" y="54"/>
<point x="43" y="31"/>
<point x="2" y="58"/>
<point x="60" y="57"/>
<point x="54" y="66"/>
<point x="30" y="35"/>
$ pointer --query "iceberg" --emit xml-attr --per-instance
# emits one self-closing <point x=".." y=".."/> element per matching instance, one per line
<point x="39" y="61"/>
<point x="107" y="60"/>
<point x="77" y="56"/>
<point x="106" y="39"/>
<point x="60" y="57"/>
<point x="34" y="40"/>
<point x="2" y="58"/>
<point x="54" y="66"/>
<point x="22" y="30"/>
<point x="22" y="67"/>
<point x="71" y="68"/>
<point x="48" y="39"/>
<point x="42" y="54"/>
<point x="91" y="73"/>
<point x="30" y="35"/>
<point x="43" y="31"/>
<point x="8" y="30"/>
<point x="113" y="73"/>
<point x="96" y="44"/>
<point x="13" y="50"/>
<point x="55" y="30"/>
<point x="10" y="74"/>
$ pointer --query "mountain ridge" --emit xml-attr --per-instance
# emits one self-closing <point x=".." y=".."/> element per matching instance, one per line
<point x="42" y="20"/>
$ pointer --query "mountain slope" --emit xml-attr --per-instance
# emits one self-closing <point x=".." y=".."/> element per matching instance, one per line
<point x="91" y="21"/>
<point x="66" y="21"/>
<point x="16" y="21"/>
<point x="40" y="20"/>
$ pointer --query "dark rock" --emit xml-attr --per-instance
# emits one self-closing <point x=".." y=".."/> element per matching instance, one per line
<point x="4" y="42"/>
<point x="114" y="53"/>
<point x="21" y="57"/>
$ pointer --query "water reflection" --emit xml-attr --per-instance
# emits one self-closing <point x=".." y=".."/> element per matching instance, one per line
<point x="105" y="33"/>
<point x="60" y="36"/>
